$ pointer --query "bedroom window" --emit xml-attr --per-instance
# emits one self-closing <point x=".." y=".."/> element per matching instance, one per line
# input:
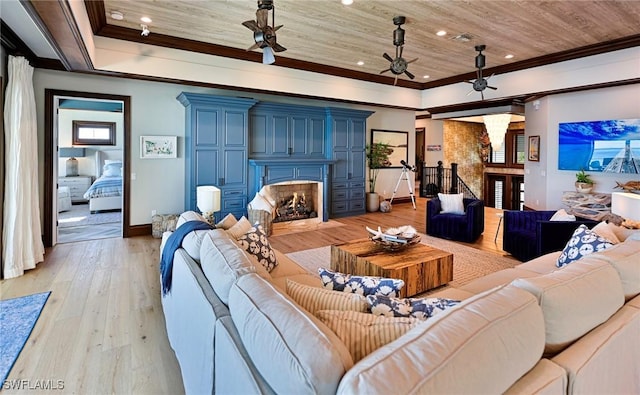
<point x="94" y="133"/>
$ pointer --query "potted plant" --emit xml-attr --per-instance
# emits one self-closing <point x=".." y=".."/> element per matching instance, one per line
<point x="378" y="158"/>
<point x="584" y="183"/>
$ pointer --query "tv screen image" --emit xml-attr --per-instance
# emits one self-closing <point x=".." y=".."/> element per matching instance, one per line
<point x="611" y="146"/>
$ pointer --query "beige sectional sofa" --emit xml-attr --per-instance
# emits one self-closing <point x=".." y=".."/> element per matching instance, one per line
<point x="532" y="329"/>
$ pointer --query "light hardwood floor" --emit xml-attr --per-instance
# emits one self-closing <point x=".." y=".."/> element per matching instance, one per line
<point x="103" y="331"/>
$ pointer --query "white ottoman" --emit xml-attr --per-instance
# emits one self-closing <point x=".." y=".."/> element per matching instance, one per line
<point x="64" y="199"/>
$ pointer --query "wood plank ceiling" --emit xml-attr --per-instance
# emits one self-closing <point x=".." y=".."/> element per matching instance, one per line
<point x="326" y="36"/>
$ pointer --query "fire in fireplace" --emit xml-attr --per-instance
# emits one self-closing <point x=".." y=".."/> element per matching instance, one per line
<point x="294" y="201"/>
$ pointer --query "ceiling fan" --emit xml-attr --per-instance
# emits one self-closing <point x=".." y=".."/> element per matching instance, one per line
<point x="480" y="84"/>
<point x="399" y="64"/>
<point x="263" y="34"/>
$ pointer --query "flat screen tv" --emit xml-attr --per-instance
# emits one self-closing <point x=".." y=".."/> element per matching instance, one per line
<point x="611" y="146"/>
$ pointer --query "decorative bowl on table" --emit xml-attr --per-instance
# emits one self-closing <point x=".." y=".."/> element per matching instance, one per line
<point x="394" y="239"/>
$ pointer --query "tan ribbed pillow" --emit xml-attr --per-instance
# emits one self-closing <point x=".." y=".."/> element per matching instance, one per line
<point x="239" y="228"/>
<point x="313" y="299"/>
<point x="227" y="222"/>
<point x="364" y="333"/>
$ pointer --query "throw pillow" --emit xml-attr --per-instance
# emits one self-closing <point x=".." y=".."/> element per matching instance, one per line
<point x="362" y="285"/>
<point x="112" y="169"/>
<point x="189" y="216"/>
<point x="259" y="202"/>
<point x="313" y="299"/>
<point x="583" y="242"/>
<point x="451" y="203"/>
<point x="264" y="192"/>
<point x="421" y="308"/>
<point x="603" y="229"/>
<point x="255" y="242"/>
<point x="364" y="333"/>
<point x="227" y="222"/>
<point x="562" y="215"/>
<point x="239" y="228"/>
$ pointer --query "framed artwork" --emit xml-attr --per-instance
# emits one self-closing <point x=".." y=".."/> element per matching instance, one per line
<point x="534" y="148"/>
<point x="158" y="147"/>
<point x="398" y="141"/>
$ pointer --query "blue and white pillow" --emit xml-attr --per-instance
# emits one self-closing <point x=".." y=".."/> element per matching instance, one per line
<point x="361" y="285"/>
<point x="583" y="242"/>
<point x="421" y="308"/>
<point x="256" y="243"/>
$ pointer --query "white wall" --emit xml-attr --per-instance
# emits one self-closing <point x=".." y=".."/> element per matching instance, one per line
<point x="434" y="135"/>
<point x="544" y="183"/>
<point x="159" y="183"/>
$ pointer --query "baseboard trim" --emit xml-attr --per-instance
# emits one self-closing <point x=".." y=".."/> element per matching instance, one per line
<point x="139" y="230"/>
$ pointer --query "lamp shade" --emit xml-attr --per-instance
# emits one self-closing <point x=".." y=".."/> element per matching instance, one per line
<point x="496" y="125"/>
<point x="626" y="205"/>
<point x="208" y="198"/>
<point x="71" y="152"/>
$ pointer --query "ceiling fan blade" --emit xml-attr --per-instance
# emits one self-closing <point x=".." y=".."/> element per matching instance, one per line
<point x="251" y="25"/>
<point x="262" y="16"/>
<point x="395" y="80"/>
<point x="385" y="70"/>
<point x="490" y="76"/>
<point x="469" y="82"/>
<point x="275" y="29"/>
<point x="411" y="61"/>
<point x="278" y="48"/>
<point x="254" y="46"/>
<point x="492" y="87"/>
<point x="267" y="56"/>
<point x="409" y="74"/>
<point x="482" y="94"/>
<point x="470" y="92"/>
<point x="389" y="58"/>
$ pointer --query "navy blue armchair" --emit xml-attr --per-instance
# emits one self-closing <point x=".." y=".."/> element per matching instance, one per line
<point x="530" y="234"/>
<point x="465" y="227"/>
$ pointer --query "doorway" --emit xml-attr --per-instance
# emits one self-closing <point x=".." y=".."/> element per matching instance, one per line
<point x="92" y="165"/>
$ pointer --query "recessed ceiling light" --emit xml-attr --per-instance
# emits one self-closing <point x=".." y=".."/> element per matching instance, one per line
<point x="441" y="33"/>
<point x="117" y="15"/>
<point x="146" y="19"/>
<point x="347" y="2"/>
<point x="360" y="63"/>
<point x="509" y="56"/>
<point x="425" y="76"/>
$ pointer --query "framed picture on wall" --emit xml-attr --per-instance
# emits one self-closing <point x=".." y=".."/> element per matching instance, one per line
<point x="158" y="147"/>
<point x="534" y="148"/>
<point x="398" y="141"/>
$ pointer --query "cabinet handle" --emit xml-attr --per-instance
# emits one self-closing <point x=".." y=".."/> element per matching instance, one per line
<point x="289" y="150"/>
<point x="349" y="176"/>
<point x="221" y="181"/>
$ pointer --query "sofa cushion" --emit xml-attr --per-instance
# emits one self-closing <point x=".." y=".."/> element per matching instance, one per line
<point x="434" y="357"/>
<point x="256" y="243"/>
<point x="364" y="333"/>
<point x="583" y="242"/>
<point x="239" y="228"/>
<point x="313" y="299"/>
<point x="223" y="262"/>
<point x="421" y="308"/>
<point x="270" y="325"/>
<point x="363" y="285"/>
<point x="546" y="378"/>
<point x="227" y="222"/>
<point x="496" y="279"/>
<point x="605" y="230"/>
<point x="574" y="300"/>
<point x="543" y="264"/>
<point x="623" y="233"/>
<point x="451" y="203"/>
<point x="193" y="240"/>
<point x="625" y="258"/>
<point x="304" y="278"/>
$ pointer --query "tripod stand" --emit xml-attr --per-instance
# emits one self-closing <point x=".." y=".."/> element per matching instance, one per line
<point x="405" y="176"/>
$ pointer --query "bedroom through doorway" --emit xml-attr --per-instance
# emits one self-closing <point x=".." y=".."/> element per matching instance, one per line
<point x="90" y="168"/>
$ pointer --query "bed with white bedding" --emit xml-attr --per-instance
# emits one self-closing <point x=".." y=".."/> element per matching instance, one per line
<point x="106" y="191"/>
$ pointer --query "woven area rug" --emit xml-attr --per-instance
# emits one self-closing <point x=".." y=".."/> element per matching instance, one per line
<point x="18" y="316"/>
<point x="468" y="263"/>
<point x="79" y="216"/>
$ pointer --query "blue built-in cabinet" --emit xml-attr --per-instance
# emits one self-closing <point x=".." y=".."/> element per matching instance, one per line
<point x="240" y="144"/>
<point x="216" y="149"/>
<point x="286" y="130"/>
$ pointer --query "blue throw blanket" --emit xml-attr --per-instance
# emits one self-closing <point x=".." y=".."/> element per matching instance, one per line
<point x="173" y="243"/>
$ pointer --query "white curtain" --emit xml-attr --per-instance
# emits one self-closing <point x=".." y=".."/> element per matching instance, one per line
<point x="22" y="233"/>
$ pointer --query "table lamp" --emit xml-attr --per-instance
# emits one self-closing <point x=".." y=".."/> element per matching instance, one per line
<point x="626" y="205"/>
<point x="72" y="162"/>
<point x="208" y="201"/>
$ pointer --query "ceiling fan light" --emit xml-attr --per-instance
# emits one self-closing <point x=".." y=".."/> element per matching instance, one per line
<point x="496" y="125"/>
<point x="267" y="56"/>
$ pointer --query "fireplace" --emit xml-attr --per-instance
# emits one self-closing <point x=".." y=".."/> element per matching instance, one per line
<point x="308" y="177"/>
<point x="296" y="200"/>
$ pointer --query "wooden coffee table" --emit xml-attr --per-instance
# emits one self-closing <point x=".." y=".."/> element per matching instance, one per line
<point x="421" y="267"/>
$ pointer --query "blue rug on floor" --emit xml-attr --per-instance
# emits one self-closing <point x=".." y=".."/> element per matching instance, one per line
<point x="18" y="316"/>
